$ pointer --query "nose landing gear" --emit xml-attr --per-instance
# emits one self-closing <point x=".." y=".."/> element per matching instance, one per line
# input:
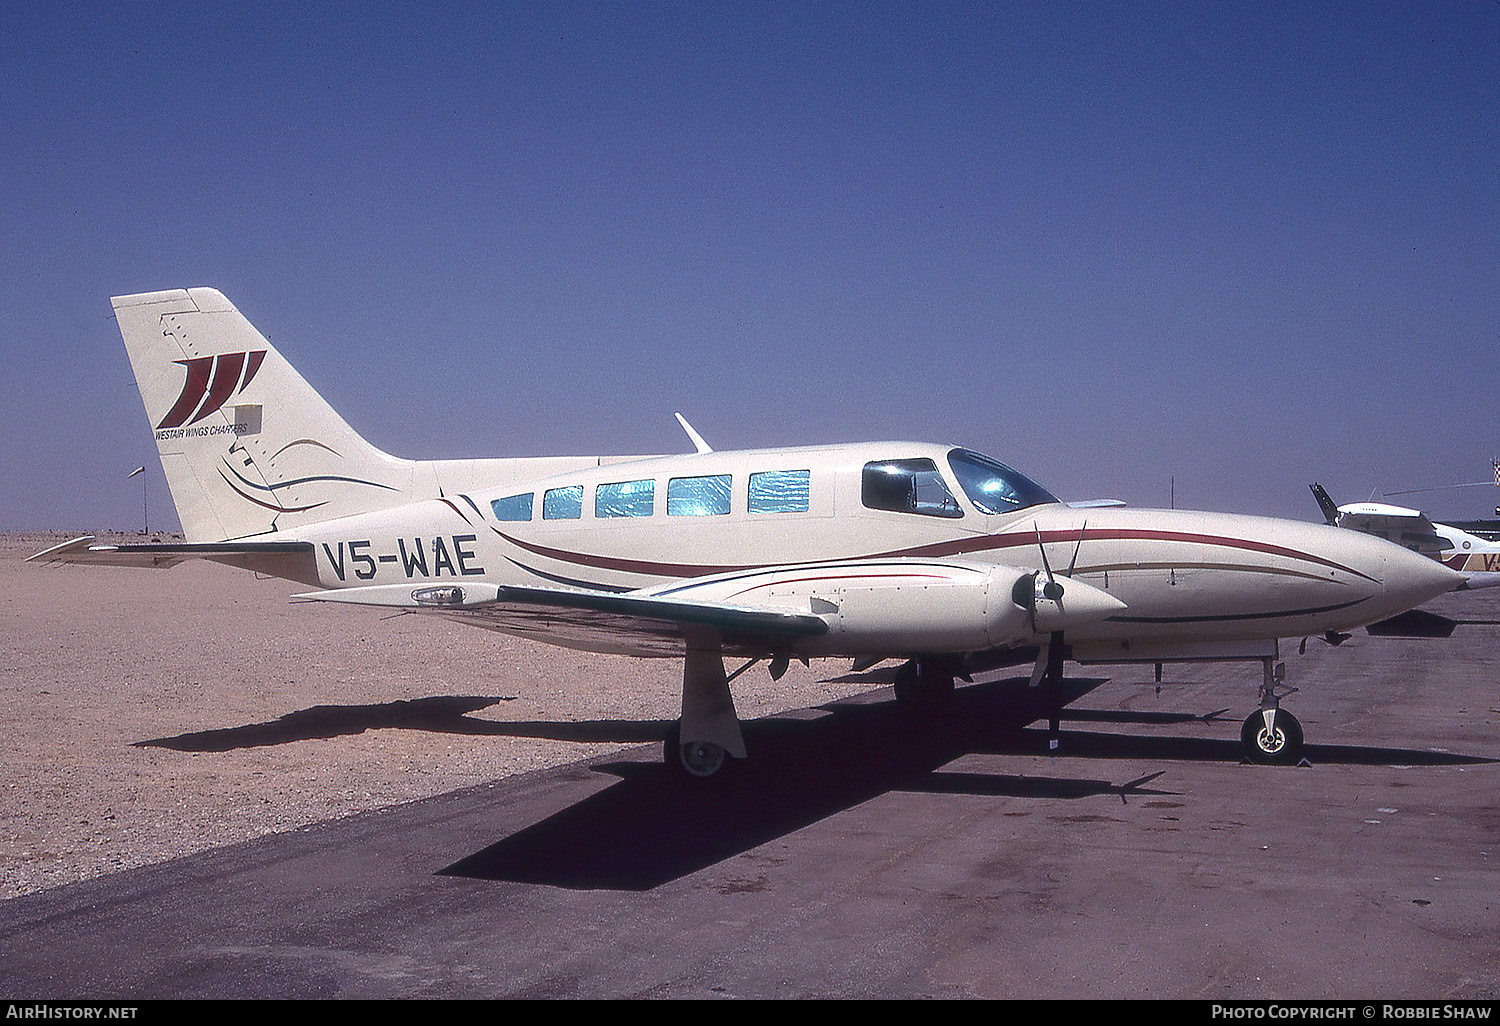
<point x="1271" y="736"/>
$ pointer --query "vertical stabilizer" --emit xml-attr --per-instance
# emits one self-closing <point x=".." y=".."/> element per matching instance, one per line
<point x="247" y="445"/>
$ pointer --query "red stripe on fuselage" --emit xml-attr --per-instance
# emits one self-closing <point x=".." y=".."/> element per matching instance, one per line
<point x="963" y="546"/>
<point x="957" y="547"/>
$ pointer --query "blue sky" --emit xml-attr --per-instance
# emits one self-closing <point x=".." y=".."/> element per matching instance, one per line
<point x="1244" y="246"/>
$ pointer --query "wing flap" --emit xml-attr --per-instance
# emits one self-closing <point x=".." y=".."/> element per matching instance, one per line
<point x="628" y="624"/>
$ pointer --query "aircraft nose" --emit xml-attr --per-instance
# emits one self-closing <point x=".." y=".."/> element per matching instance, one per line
<point x="1413" y="579"/>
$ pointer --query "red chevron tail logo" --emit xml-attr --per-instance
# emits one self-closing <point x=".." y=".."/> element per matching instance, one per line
<point x="211" y="380"/>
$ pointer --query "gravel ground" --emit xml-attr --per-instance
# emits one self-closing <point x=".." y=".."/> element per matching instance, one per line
<point x="148" y="714"/>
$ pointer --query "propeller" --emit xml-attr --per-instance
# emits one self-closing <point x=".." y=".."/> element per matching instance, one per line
<point x="1049" y="659"/>
<point x="1053" y="590"/>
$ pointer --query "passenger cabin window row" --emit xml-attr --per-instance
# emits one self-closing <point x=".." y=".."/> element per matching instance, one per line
<point x="772" y="491"/>
<point x="913" y="486"/>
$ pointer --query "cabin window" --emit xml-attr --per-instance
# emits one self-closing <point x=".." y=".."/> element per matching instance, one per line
<point x="512" y="507"/>
<point x="625" y="499"/>
<point x="780" y="491"/>
<point x="563" y="503"/>
<point x="907" y="486"/>
<point x="698" y="496"/>
<point x="992" y="486"/>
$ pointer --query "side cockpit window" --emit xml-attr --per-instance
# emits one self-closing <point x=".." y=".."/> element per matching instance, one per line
<point x="992" y="486"/>
<point x="907" y="486"/>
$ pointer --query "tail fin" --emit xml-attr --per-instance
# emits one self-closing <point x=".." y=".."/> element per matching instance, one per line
<point x="247" y="445"/>
<point x="1330" y="511"/>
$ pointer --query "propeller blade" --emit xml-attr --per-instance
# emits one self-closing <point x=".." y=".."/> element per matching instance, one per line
<point x="1040" y="669"/>
<point x="1051" y="590"/>
<point x="1074" y="561"/>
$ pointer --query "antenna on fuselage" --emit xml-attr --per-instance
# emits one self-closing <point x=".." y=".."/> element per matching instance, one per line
<point x="698" y="442"/>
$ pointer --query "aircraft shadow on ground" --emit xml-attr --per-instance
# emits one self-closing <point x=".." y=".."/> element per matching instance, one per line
<point x="443" y="715"/>
<point x="646" y="830"/>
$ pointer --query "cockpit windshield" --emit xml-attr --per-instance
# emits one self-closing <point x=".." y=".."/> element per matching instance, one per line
<point x="992" y="486"/>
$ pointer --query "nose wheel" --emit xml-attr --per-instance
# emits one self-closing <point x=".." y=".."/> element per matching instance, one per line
<point x="1272" y="736"/>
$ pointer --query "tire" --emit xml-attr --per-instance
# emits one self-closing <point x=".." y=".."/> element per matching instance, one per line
<point x="1281" y="747"/>
<point x="701" y="765"/>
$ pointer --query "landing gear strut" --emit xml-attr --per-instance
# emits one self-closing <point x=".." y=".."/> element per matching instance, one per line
<point x="705" y="746"/>
<point x="1271" y="736"/>
<point x="924" y="683"/>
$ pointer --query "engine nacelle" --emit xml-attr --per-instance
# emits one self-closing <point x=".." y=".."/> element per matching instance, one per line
<point x="960" y="610"/>
<point x="908" y="606"/>
<point x="1062" y="604"/>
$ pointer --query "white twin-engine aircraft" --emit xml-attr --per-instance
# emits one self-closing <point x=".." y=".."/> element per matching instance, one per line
<point x="931" y="554"/>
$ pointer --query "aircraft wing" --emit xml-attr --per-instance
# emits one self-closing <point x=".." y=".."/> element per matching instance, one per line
<point x="641" y="625"/>
<point x="275" y="557"/>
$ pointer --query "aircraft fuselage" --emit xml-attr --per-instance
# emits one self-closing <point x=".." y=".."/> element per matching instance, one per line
<point x="813" y="539"/>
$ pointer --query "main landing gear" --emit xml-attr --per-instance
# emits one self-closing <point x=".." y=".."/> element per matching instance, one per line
<point x="1271" y="735"/>
<point x="924" y="684"/>
<point x="705" y="747"/>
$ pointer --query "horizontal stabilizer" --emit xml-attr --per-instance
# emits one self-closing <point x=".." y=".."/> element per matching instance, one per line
<point x="629" y="624"/>
<point x="282" y="558"/>
<point x="1480" y="579"/>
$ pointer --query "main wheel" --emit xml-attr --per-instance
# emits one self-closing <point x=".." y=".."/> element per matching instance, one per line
<point x="924" y="684"/>
<point x="1281" y="745"/>
<point x="698" y="763"/>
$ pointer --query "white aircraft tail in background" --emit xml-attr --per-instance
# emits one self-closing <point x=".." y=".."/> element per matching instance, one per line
<point x="1477" y="558"/>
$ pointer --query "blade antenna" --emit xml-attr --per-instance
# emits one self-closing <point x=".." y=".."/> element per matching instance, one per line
<point x="698" y="442"/>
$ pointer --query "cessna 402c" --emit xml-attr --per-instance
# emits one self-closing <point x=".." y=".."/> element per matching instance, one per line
<point x="930" y="554"/>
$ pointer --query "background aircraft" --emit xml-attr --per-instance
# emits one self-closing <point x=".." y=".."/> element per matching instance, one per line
<point x="1475" y="556"/>
<point x="931" y="554"/>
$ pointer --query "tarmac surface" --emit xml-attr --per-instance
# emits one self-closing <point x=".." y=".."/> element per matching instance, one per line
<point x="870" y="853"/>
